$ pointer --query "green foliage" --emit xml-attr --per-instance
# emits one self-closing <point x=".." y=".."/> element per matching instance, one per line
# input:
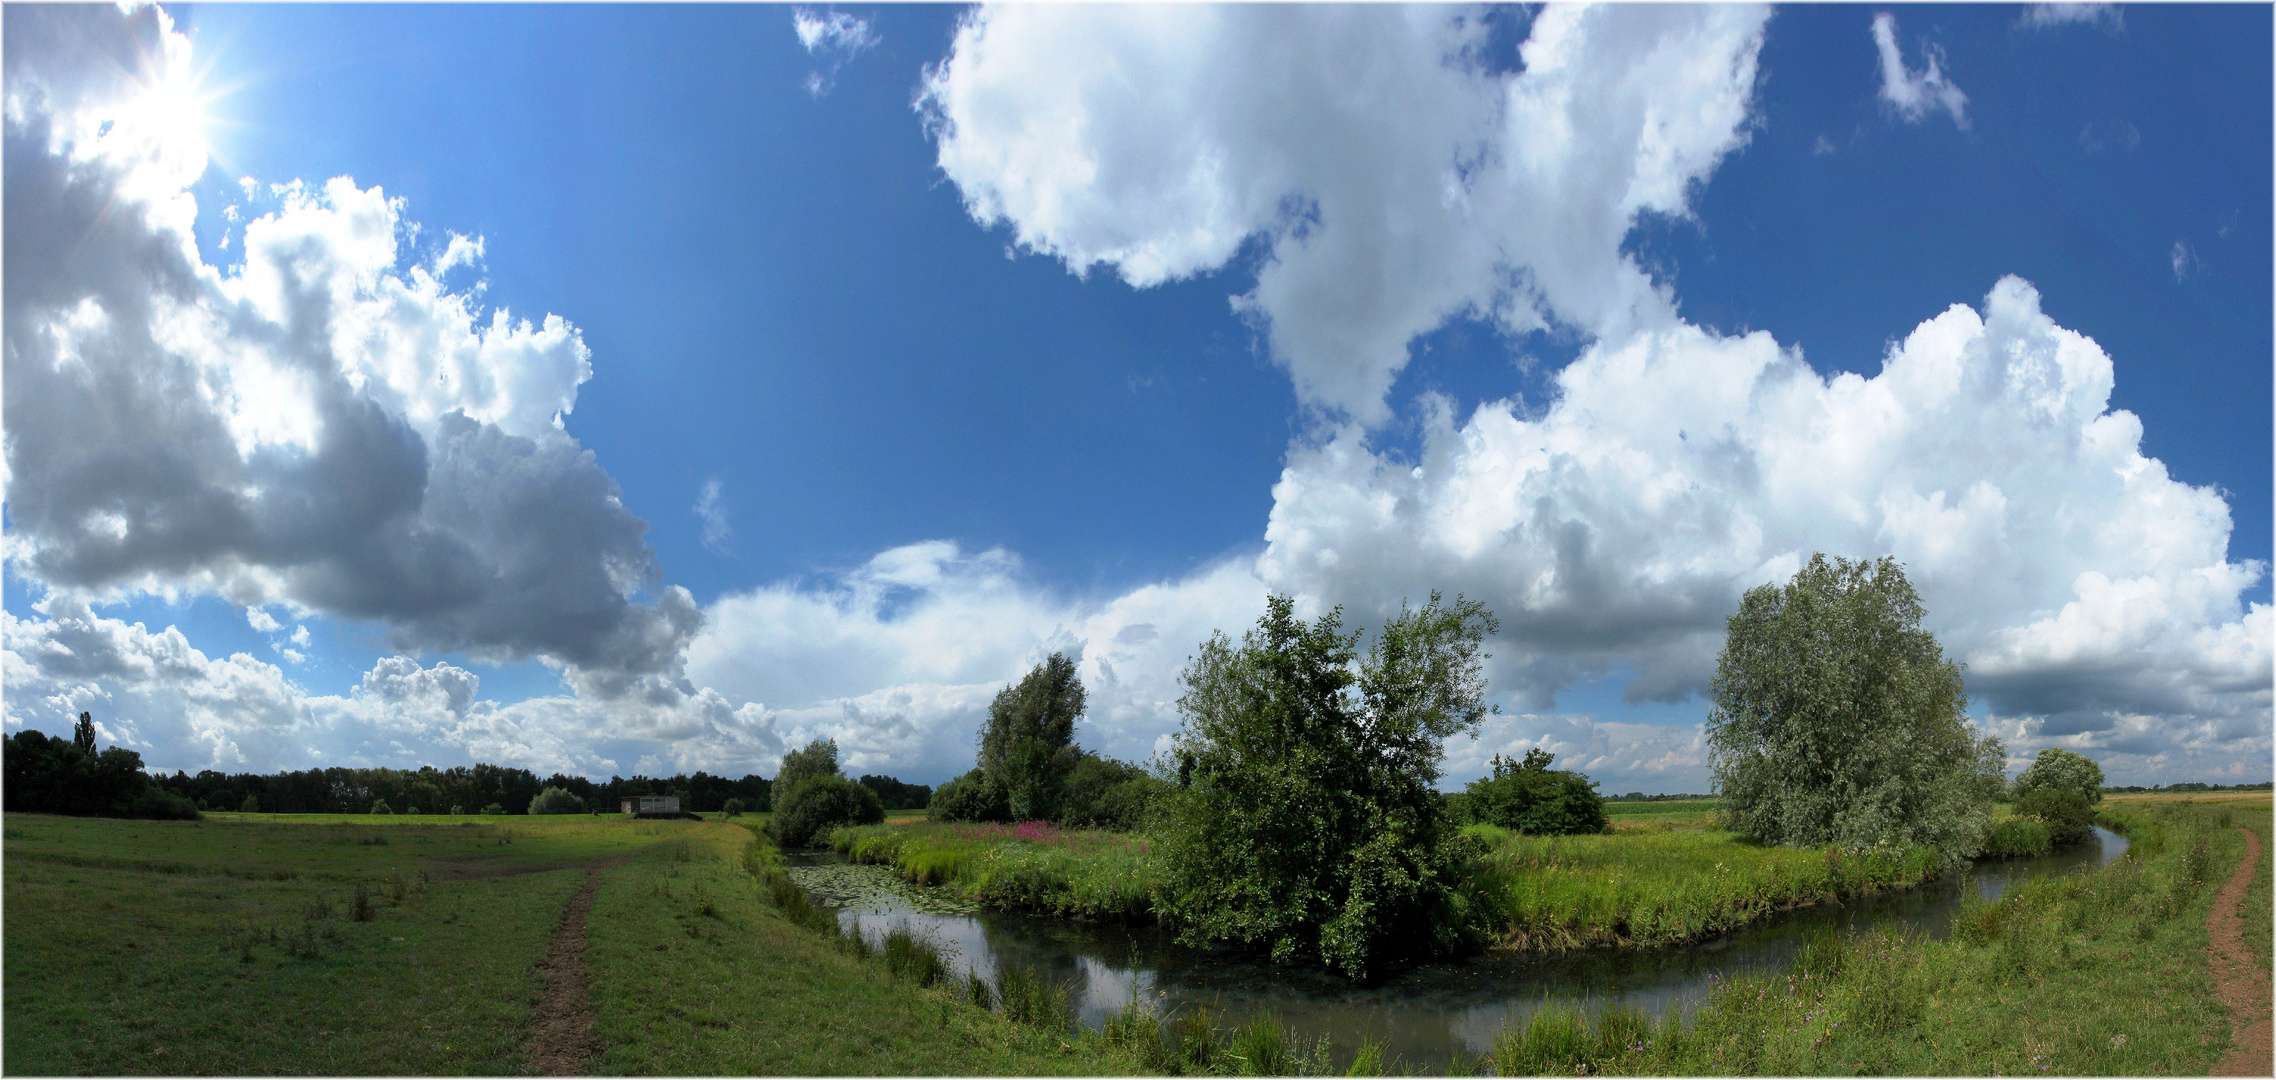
<point x="732" y="808"/>
<point x="2065" y="811"/>
<point x="1027" y="746"/>
<point x="815" y="805"/>
<point x="895" y="794"/>
<point x="1305" y="820"/>
<point x="379" y="806"/>
<point x="818" y="758"/>
<point x="2018" y="838"/>
<point x="1837" y="720"/>
<point x="553" y="800"/>
<point x="970" y="797"/>
<point x="52" y="776"/>
<point x="2056" y="767"/>
<point x="1530" y="797"/>
<point x="1102" y="793"/>
<point x="494" y="808"/>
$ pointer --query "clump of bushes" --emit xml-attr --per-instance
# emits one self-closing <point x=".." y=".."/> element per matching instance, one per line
<point x="811" y="797"/>
<point x="555" y="800"/>
<point x="379" y="806"/>
<point x="1530" y="797"/>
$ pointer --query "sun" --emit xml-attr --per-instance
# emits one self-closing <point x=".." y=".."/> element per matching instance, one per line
<point x="160" y="127"/>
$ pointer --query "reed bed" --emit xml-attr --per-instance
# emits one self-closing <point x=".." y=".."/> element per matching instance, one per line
<point x="1665" y="887"/>
<point x="1032" y="866"/>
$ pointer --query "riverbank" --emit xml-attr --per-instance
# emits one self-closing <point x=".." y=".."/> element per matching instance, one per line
<point x="1674" y="884"/>
<point x="2097" y="973"/>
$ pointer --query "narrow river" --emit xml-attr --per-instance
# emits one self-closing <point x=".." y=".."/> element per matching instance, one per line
<point x="1420" y="1016"/>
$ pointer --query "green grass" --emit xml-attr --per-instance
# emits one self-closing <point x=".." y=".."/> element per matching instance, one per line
<point x="698" y="970"/>
<point x="2099" y="973"/>
<point x="1663" y="886"/>
<point x="1102" y="876"/>
<point x="232" y="946"/>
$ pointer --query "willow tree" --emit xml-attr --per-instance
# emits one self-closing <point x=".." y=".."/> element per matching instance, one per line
<point x="1837" y="720"/>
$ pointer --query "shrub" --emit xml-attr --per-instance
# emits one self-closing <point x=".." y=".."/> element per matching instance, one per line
<point x="806" y="813"/>
<point x="1530" y="797"/>
<point x="732" y="808"/>
<point x="456" y="810"/>
<point x="158" y="803"/>
<point x="1305" y="819"/>
<point x="379" y="806"/>
<point x="2018" y="837"/>
<point x="970" y="797"/>
<point x="1102" y="793"/>
<point x="1836" y="719"/>
<point x="251" y="805"/>
<point x="493" y="808"/>
<point x="2065" y="813"/>
<point x="2056" y="767"/>
<point x="556" y="800"/>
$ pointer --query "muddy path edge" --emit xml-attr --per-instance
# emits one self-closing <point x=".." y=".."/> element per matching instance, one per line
<point x="561" y="1039"/>
<point x="2237" y="978"/>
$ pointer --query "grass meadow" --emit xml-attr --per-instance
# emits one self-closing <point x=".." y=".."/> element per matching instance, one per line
<point x="360" y="945"/>
<point x="1081" y="874"/>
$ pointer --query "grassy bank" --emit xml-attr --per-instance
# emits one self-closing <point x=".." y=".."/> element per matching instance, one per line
<point x="354" y="945"/>
<point x="1100" y="876"/>
<point x="2100" y="973"/>
<point x="1666" y="885"/>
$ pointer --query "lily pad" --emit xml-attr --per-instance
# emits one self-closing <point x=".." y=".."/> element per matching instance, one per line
<point x="874" y="890"/>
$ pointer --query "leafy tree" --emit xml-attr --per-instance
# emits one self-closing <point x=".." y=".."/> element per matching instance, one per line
<point x="83" y="733"/>
<point x="379" y="806"/>
<point x="1530" y="797"/>
<point x="554" y="800"/>
<point x="1304" y="820"/>
<point x="1837" y="720"/>
<point x="251" y="805"/>
<point x="56" y="776"/>
<point x="819" y="758"/>
<point x="2060" y="788"/>
<point x="821" y="803"/>
<point x="732" y="808"/>
<point x="1027" y="746"/>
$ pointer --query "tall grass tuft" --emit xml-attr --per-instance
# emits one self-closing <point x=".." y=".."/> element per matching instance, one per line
<point x="1260" y="1047"/>
<point x="1026" y="996"/>
<point x="914" y="958"/>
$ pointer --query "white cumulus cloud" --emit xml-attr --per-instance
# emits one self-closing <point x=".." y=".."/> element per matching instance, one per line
<point x="1392" y="180"/>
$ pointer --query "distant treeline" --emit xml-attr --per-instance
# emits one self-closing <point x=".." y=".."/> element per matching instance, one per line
<point x="2189" y="787"/>
<point x="480" y="789"/>
<point x="1638" y="796"/>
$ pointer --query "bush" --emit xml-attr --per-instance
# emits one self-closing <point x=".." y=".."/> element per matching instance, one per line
<point x="2066" y="813"/>
<point x="1102" y="793"/>
<point x="1530" y="797"/>
<point x="379" y="806"/>
<point x="2056" y="767"/>
<point x="251" y="805"/>
<point x="806" y="813"/>
<point x="1304" y="820"/>
<point x="160" y="804"/>
<point x="970" y="797"/>
<point x="1836" y="719"/>
<point x="493" y="808"/>
<point x="2018" y="837"/>
<point x="555" y="800"/>
<point x="732" y="808"/>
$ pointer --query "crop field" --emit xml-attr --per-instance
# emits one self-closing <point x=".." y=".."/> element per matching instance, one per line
<point x="1672" y="809"/>
<point x="244" y="944"/>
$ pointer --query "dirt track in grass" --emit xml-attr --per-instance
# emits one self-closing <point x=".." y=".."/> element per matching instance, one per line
<point x="2236" y="978"/>
<point x="561" y="1040"/>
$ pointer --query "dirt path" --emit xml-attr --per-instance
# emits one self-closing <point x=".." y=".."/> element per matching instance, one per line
<point x="561" y="1041"/>
<point x="2237" y="979"/>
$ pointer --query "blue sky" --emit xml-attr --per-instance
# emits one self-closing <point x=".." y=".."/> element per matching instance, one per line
<point x="956" y="403"/>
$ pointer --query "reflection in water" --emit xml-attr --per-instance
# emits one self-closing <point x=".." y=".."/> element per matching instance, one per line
<point x="1422" y="1015"/>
